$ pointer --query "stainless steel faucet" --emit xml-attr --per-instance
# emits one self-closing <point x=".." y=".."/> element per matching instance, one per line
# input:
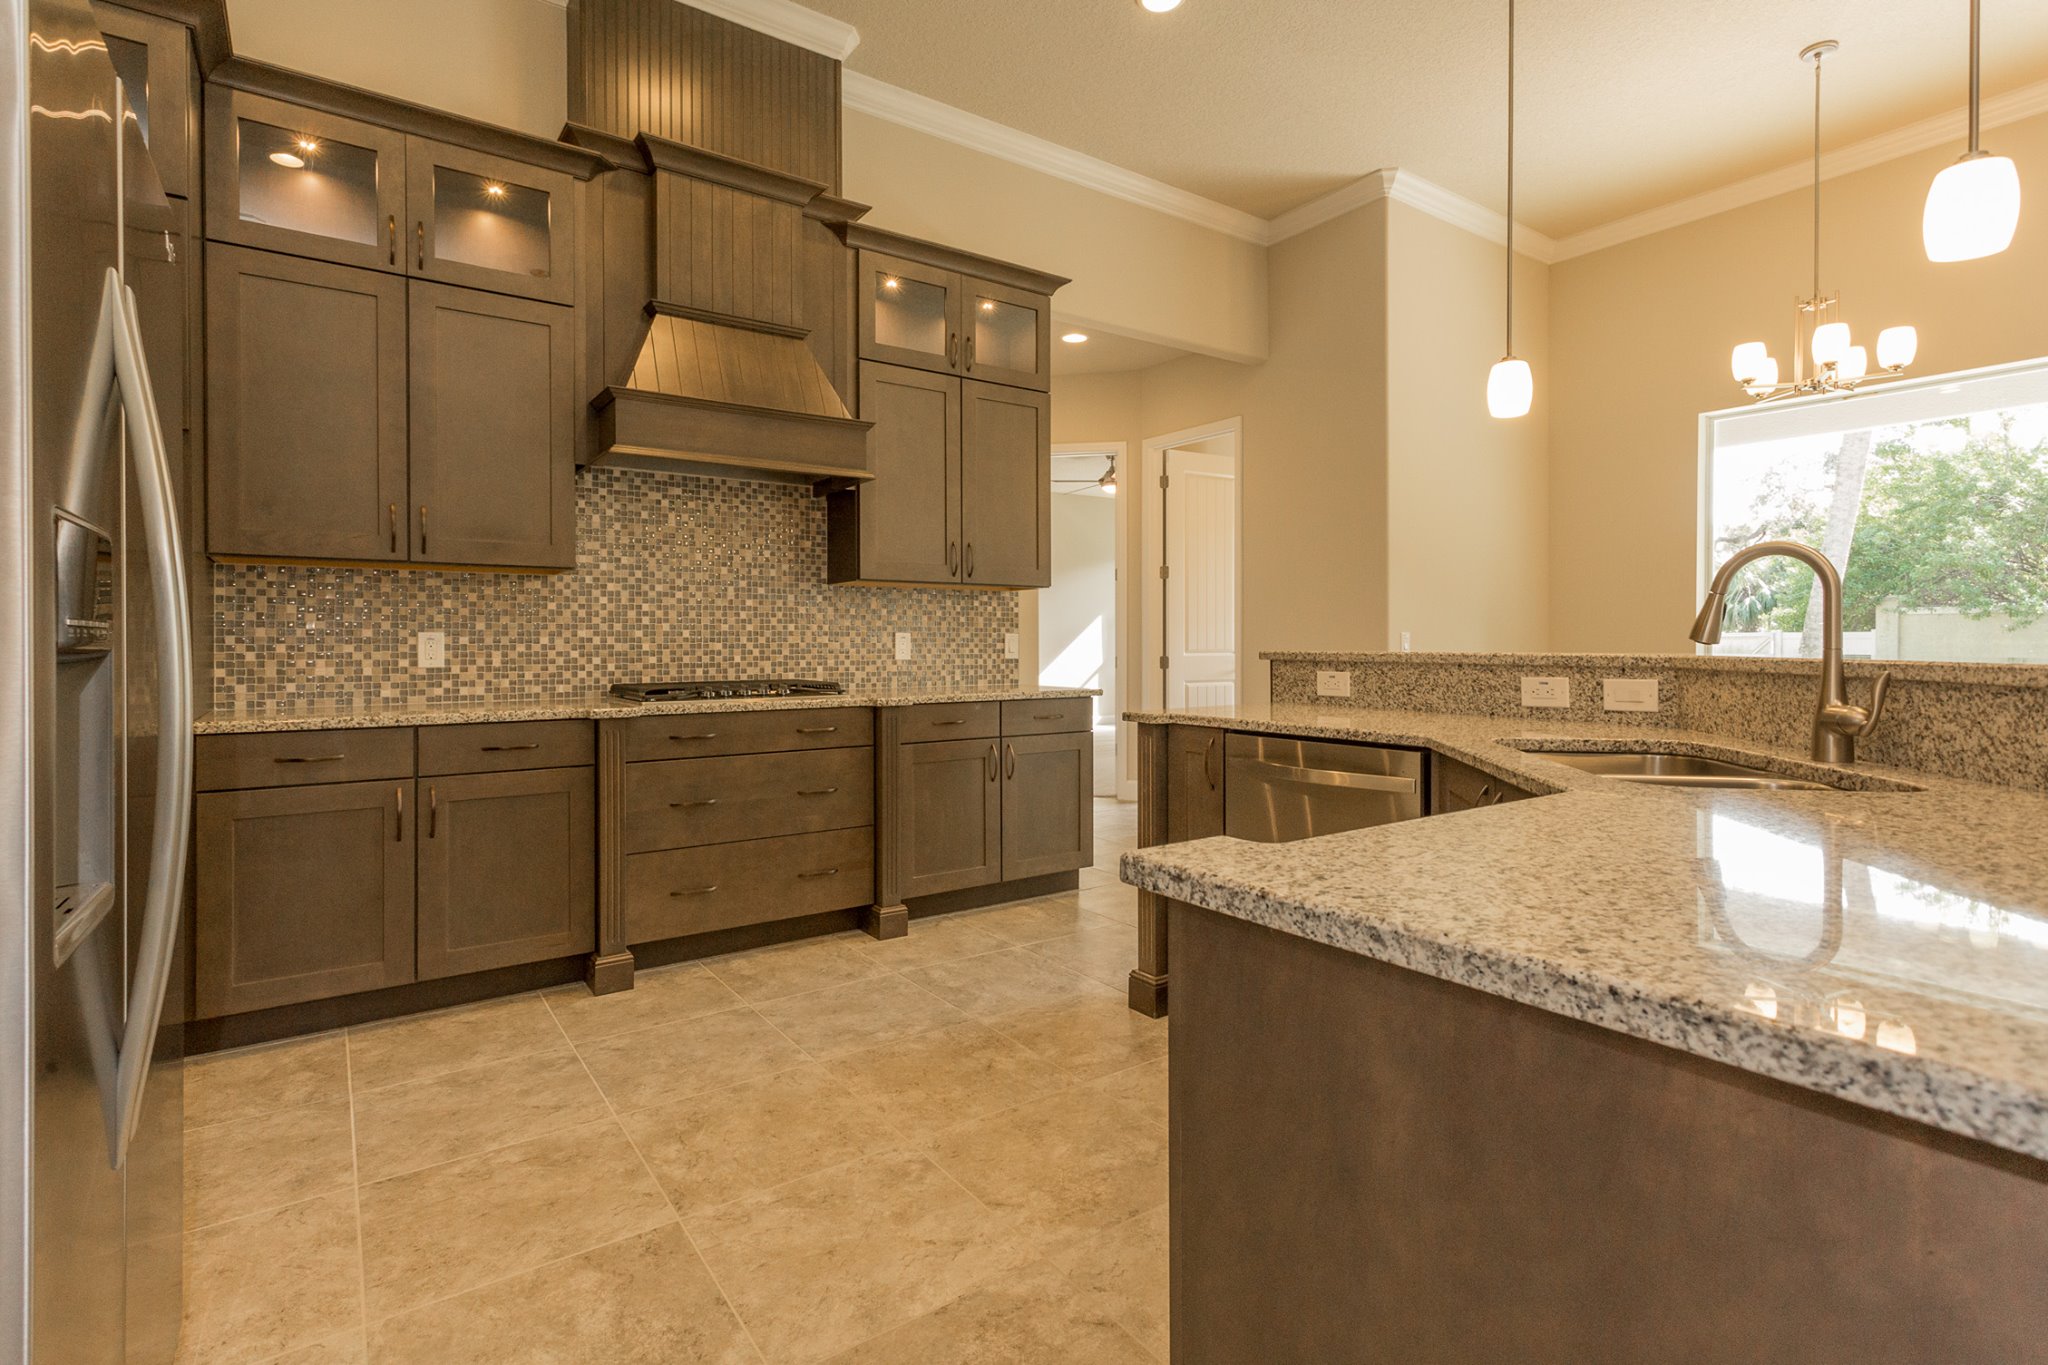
<point x="1837" y="723"/>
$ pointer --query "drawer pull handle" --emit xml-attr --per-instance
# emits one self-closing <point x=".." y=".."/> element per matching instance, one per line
<point x="1050" y="715"/>
<point x="692" y="805"/>
<point x="316" y="758"/>
<point x="828" y="872"/>
<point x="693" y="891"/>
<point x="684" y="739"/>
<point x="938" y="724"/>
<point x="817" y="730"/>
<point x="508" y="748"/>
<point x="819" y="791"/>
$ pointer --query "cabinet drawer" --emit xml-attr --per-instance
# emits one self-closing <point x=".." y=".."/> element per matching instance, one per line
<point x="1460" y="786"/>
<point x="691" y="801"/>
<point x="720" y="886"/>
<point x="952" y="720"/>
<point x="298" y="758"/>
<point x="504" y="747"/>
<point x="746" y="732"/>
<point x="1054" y="717"/>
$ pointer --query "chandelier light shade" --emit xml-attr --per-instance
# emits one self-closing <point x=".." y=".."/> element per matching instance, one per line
<point x="1510" y="386"/>
<point x="1973" y="207"/>
<point x="1840" y="366"/>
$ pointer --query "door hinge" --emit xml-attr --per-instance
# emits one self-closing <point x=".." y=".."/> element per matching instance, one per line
<point x="1162" y="480"/>
<point x="1165" y="571"/>
<point x="1162" y="663"/>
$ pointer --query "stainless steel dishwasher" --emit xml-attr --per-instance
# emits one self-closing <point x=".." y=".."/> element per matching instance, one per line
<point x="1277" y="790"/>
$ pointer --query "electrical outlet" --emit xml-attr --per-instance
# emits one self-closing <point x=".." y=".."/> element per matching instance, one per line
<point x="1012" y="646"/>
<point x="1333" y="682"/>
<point x="1628" y="694"/>
<point x="1407" y="642"/>
<point x="902" y="646"/>
<point x="433" y="649"/>
<point x="1546" y="691"/>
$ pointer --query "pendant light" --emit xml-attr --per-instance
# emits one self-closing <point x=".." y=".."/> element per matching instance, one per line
<point x="1973" y="207"/>
<point x="1510" y="387"/>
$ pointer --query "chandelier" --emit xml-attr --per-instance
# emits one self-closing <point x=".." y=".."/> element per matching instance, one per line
<point x="1819" y="335"/>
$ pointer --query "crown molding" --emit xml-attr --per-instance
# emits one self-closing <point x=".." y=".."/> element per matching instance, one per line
<point x="1952" y="127"/>
<point x="784" y="19"/>
<point x="1406" y="187"/>
<point x="864" y="94"/>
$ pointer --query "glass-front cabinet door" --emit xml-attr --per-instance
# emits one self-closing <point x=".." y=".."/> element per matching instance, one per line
<point x="297" y="180"/>
<point x="909" y="314"/>
<point x="1008" y="336"/>
<point x="489" y="223"/>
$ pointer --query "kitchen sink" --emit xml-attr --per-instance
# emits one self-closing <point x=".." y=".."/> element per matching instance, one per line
<point x="1682" y="770"/>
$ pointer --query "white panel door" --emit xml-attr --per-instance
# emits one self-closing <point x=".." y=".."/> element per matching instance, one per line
<point x="1201" y="579"/>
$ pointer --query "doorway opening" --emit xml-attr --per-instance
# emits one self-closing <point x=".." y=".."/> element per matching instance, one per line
<point x="1078" y="638"/>
<point x="1191" y="520"/>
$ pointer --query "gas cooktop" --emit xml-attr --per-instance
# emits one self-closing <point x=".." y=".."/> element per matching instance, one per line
<point x="719" y="689"/>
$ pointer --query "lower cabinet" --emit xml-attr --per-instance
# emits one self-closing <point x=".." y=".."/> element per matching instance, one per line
<point x="310" y="889"/>
<point x="304" y="892"/>
<point x="1012" y="798"/>
<point x="507" y="869"/>
<point x="951" y="815"/>
<point x="1194" y="783"/>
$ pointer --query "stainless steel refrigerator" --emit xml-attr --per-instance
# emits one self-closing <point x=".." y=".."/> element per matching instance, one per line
<point x="95" y="714"/>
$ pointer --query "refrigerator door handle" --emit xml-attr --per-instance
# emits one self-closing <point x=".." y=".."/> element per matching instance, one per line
<point x="124" y="366"/>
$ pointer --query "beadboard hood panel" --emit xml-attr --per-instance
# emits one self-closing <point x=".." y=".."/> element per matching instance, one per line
<point x="710" y="286"/>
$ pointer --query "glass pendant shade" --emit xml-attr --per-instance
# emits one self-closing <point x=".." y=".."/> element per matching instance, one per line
<point x="1973" y="208"/>
<point x="1748" y="361"/>
<point x="1830" y="343"/>
<point x="1854" y="364"/>
<point x="1767" y="377"/>
<point x="1510" y="388"/>
<point x="1896" y="347"/>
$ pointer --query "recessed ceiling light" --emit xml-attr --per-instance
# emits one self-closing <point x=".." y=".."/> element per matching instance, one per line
<point x="1160" y="6"/>
<point x="1074" y="338"/>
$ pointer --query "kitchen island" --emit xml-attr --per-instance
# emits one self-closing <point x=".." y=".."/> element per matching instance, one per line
<point x="1618" y="1073"/>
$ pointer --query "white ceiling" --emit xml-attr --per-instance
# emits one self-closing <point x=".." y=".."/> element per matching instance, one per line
<point x="1264" y="105"/>
<point x="1105" y="352"/>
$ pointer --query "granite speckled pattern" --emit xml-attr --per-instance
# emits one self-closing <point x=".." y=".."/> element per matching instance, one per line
<point x="600" y="706"/>
<point x="677" y="576"/>
<point x="1889" y="948"/>
<point x="1985" y="723"/>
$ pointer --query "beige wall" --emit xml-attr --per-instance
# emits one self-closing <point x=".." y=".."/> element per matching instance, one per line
<point x="503" y="61"/>
<point x="1313" y="553"/>
<point x="1468" y="519"/>
<point x="1640" y="335"/>
<point x="1134" y="270"/>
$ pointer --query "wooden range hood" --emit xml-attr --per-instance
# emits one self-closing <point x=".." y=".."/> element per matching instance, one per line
<point x="722" y="380"/>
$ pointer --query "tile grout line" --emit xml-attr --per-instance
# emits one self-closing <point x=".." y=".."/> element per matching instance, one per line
<point x="674" y="1212"/>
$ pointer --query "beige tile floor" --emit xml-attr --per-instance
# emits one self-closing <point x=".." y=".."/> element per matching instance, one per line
<point x="947" y="1148"/>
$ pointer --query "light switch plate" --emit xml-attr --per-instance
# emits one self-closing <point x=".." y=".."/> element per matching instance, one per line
<point x="1546" y="691"/>
<point x="1011" y="644"/>
<point x="1333" y="682"/>
<point x="433" y="649"/>
<point x="902" y="646"/>
<point x="1628" y="694"/>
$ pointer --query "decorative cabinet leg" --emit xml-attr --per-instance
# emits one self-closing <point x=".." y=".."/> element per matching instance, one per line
<point x="886" y="921"/>
<point x="606" y="974"/>
<point x="1148" y="981"/>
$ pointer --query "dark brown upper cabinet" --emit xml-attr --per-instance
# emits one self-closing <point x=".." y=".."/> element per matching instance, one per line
<point x="493" y="455"/>
<point x="312" y="183"/>
<point x="931" y="318"/>
<point x="306" y="409"/>
<point x="1005" y="486"/>
<point x="303" y="181"/>
<point x="489" y="222"/>
<point x="1006" y="335"/>
<point x="153" y="57"/>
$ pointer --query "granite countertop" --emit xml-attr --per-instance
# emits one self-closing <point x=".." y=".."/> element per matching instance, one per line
<point x="602" y="706"/>
<point x="1887" y="945"/>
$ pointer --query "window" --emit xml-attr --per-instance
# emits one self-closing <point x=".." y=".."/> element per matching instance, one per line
<point x="1930" y="495"/>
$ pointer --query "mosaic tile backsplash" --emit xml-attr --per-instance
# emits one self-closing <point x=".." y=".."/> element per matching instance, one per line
<point x="676" y="576"/>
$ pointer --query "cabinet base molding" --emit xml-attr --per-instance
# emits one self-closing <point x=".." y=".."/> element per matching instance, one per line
<point x="607" y="973"/>
<point x="367" y="1007"/>
<point x="886" y="921"/>
<point x="995" y="893"/>
<point x="1148" y="995"/>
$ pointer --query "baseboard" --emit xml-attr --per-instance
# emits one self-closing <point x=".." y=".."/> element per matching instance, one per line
<point x="998" y="893"/>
